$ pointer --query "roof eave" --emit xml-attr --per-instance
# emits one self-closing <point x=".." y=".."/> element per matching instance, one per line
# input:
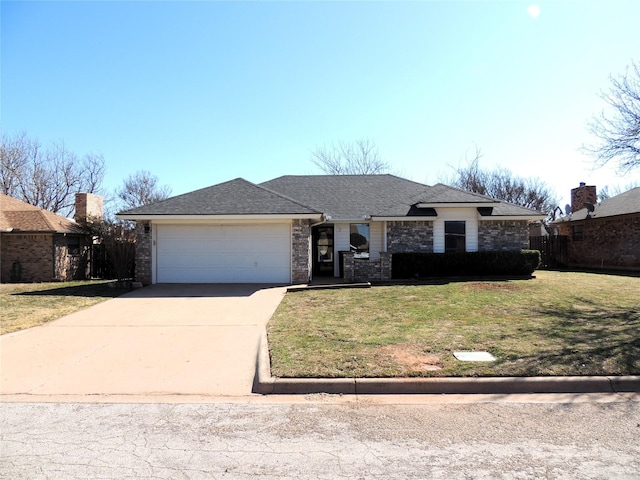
<point x="456" y="204"/>
<point x="176" y="217"/>
<point x="404" y="218"/>
<point x="531" y="218"/>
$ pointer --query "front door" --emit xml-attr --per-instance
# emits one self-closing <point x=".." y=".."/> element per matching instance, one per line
<point x="323" y="255"/>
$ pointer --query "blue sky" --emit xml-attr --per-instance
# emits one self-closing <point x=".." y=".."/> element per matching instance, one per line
<point x="203" y="92"/>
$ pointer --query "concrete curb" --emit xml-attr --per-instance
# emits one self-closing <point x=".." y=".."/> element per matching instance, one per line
<point x="265" y="384"/>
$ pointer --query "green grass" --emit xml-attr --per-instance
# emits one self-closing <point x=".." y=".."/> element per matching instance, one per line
<point x="559" y="323"/>
<point x="25" y="305"/>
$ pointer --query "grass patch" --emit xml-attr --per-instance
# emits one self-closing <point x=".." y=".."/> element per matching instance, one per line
<point x="25" y="305"/>
<point x="560" y="323"/>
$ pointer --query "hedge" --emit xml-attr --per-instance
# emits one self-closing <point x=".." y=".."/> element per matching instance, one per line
<point x="423" y="265"/>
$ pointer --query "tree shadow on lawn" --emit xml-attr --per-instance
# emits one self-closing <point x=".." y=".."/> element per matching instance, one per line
<point x="90" y="291"/>
<point x="595" y="341"/>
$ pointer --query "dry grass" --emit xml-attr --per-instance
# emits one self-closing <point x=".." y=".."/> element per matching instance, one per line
<point x="25" y="305"/>
<point x="560" y="323"/>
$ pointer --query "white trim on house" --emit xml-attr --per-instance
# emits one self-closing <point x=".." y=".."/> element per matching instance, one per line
<point x="412" y="218"/>
<point x="531" y="218"/>
<point x="457" y="205"/>
<point x="469" y="216"/>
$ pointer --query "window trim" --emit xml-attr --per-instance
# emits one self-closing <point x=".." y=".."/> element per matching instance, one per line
<point x="455" y="235"/>
<point x="360" y="253"/>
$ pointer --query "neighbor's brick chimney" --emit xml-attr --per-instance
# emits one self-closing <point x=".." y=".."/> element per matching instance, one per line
<point x="88" y="206"/>
<point x="581" y="195"/>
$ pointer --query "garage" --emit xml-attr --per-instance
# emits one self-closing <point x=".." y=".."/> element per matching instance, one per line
<point x="257" y="253"/>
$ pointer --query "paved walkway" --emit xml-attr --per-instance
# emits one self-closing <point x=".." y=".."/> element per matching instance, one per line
<point x="162" y="339"/>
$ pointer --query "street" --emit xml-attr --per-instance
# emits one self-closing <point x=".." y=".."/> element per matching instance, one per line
<point x="325" y="437"/>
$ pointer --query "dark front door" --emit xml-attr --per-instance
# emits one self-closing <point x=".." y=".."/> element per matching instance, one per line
<point x="323" y="254"/>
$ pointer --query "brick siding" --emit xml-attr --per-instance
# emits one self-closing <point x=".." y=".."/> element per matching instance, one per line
<point x="143" y="253"/>
<point x="362" y="270"/>
<point x="300" y="243"/>
<point x="71" y="265"/>
<point x="34" y="252"/>
<point x="405" y="237"/>
<point x="609" y="242"/>
<point x="503" y="235"/>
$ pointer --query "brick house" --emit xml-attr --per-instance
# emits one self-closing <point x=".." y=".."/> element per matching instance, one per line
<point x="295" y="228"/>
<point x="40" y="246"/>
<point x="605" y="234"/>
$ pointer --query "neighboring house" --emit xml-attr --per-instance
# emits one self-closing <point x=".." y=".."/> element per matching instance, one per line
<point x="296" y="228"/>
<point x="605" y="234"/>
<point x="40" y="246"/>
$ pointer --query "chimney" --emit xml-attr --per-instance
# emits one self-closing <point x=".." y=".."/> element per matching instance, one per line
<point x="88" y="206"/>
<point x="581" y="195"/>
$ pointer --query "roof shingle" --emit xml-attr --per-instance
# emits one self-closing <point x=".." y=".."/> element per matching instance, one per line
<point x="18" y="215"/>
<point x="235" y="197"/>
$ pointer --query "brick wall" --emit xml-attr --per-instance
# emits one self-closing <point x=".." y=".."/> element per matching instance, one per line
<point x="410" y="237"/>
<point x="582" y="195"/>
<point x="300" y="256"/>
<point x="503" y="235"/>
<point x="143" y="252"/>
<point x="71" y="265"/>
<point x="610" y="242"/>
<point x="363" y="270"/>
<point x="33" y="251"/>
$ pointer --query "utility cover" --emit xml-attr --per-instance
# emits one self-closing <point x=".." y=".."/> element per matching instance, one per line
<point x="474" y="356"/>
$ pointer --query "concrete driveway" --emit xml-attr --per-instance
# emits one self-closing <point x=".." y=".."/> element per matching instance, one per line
<point x="162" y="339"/>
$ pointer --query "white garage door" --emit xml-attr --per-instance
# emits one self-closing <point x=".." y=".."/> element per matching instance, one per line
<point x="223" y="254"/>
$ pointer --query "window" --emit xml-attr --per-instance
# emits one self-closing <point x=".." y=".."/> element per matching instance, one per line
<point x="359" y="239"/>
<point x="73" y="245"/>
<point x="455" y="237"/>
<point x="577" y="232"/>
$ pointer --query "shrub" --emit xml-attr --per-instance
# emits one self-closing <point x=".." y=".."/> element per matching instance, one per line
<point x="424" y="265"/>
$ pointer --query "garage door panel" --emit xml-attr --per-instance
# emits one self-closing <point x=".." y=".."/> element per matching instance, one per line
<point x="223" y="253"/>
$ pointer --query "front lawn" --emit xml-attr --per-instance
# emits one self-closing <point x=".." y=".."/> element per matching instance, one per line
<point x="559" y="323"/>
<point x="25" y="305"/>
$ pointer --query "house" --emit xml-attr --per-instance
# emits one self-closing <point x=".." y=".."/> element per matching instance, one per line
<point x="605" y="234"/>
<point x="40" y="246"/>
<point x="295" y="228"/>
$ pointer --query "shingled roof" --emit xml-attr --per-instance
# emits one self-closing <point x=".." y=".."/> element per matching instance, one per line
<point x="624" y="204"/>
<point x="343" y="197"/>
<point x="235" y="197"/>
<point x="16" y="215"/>
<point x="349" y="196"/>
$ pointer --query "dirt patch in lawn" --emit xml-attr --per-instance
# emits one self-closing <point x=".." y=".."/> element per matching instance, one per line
<point x="410" y="358"/>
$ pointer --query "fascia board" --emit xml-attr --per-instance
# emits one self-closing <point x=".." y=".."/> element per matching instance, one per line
<point x="412" y="218"/>
<point x="531" y="218"/>
<point x="213" y="218"/>
<point x="456" y="205"/>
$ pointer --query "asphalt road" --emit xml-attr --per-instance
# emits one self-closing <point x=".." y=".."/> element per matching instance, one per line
<point x="326" y="437"/>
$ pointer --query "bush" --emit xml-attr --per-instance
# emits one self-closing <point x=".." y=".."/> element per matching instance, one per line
<point x="424" y="265"/>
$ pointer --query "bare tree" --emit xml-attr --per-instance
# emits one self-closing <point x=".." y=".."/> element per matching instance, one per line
<point x="618" y="131"/>
<point x="141" y="188"/>
<point x="609" y="191"/>
<point x="360" y="157"/>
<point x="47" y="178"/>
<point x="501" y="184"/>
